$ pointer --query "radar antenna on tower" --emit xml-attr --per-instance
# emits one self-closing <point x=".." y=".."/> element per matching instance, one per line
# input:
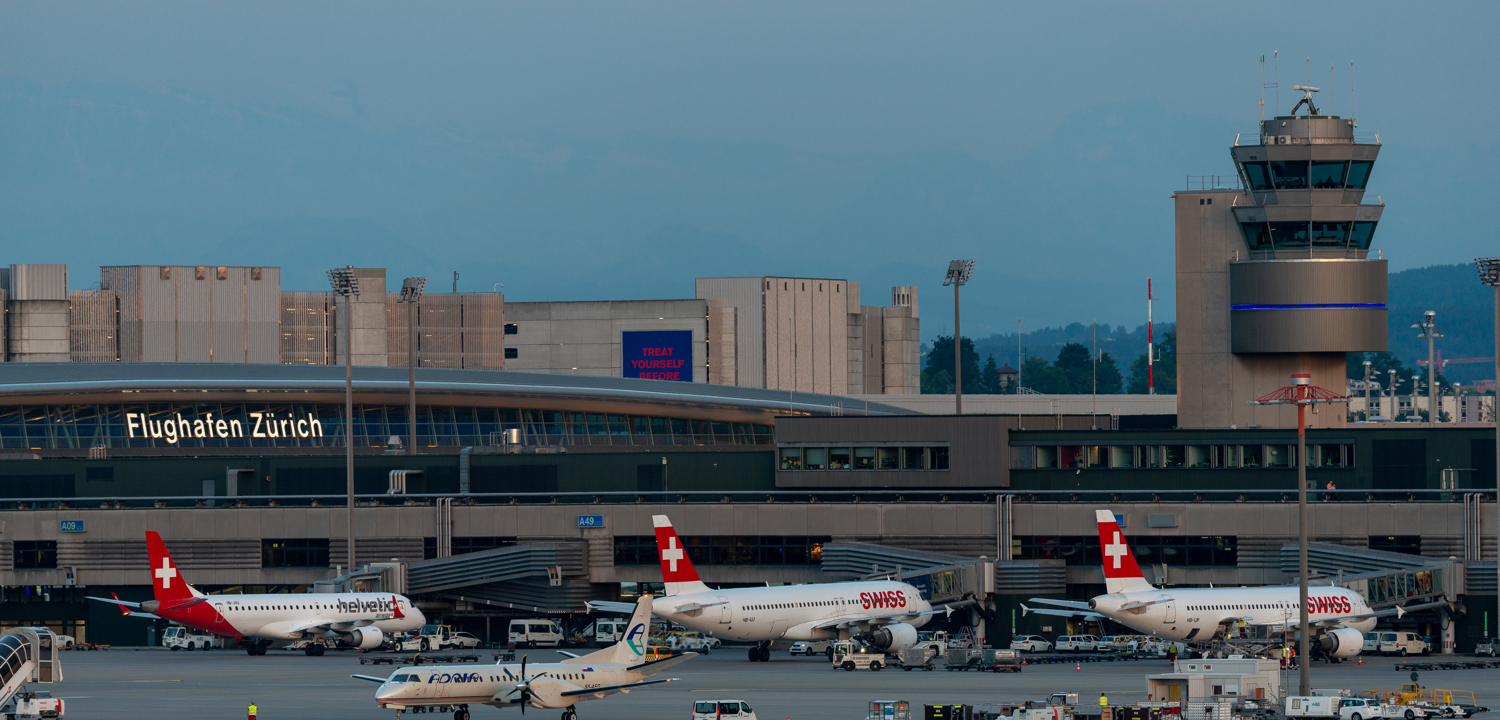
<point x="1307" y="91"/>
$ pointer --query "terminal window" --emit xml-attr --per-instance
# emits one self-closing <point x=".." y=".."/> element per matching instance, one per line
<point x="35" y="554"/>
<point x="865" y="458"/>
<point x="726" y="550"/>
<point x="294" y="553"/>
<point x="1083" y="550"/>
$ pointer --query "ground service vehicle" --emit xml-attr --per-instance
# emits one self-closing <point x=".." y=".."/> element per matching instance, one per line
<point x="1031" y="644"/>
<point x="178" y="637"/>
<point x="1488" y="646"/>
<point x="1077" y="643"/>
<point x="935" y="643"/>
<point x="695" y="641"/>
<point x="1334" y="707"/>
<point x="535" y="633"/>
<point x="610" y="630"/>
<point x="810" y="647"/>
<point x="556" y="686"/>
<point x="715" y="709"/>
<point x="29" y="655"/>
<point x="1402" y="643"/>
<point x="848" y="655"/>
<point x="405" y="642"/>
<point x="657" y="652"/>
<point x="1372" y="642"/>
<point x="914" y="658"/>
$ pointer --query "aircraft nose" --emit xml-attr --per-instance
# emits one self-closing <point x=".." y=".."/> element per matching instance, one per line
<point x="387" y="691"/>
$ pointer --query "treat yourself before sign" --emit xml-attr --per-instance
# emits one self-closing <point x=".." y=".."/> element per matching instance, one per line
<point x="657" y="355"/>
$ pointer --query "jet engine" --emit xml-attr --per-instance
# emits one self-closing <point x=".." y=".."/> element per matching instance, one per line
<point x="1342" y="643"/>
<point x="365" y="638"/>
<point x="894" y="637"/>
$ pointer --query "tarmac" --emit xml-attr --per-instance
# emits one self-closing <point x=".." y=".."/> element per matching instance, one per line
<point x="124" y="683"/>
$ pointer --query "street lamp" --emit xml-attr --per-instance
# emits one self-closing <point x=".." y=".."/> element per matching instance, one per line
<point x="1429" y="329"/>
<point x="958" y="276"/>
<point x="411" y="292"/>
<point x="1489" y="274"/>
<point x="346" y="284"/>
<point x="1368" y="370"/>
<point x="1301" y="393"/>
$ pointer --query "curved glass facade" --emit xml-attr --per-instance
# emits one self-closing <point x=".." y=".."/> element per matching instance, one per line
<point x="1302" y="174"/>
<point x="1298" y="235"/>
<point x="311" y="425"/>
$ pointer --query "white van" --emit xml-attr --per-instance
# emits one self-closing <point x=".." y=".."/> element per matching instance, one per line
<point x="610" y="631"/>
<point x="1402" y="643"/>
<point x="1077" y="643"/>
<point x="716" y="709"/>
<point x="535" y="633"/>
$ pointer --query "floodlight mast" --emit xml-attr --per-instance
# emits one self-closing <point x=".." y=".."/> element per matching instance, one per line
<point x="411" y="293"/>
<point x="346" y="284"/>
<point x="1489" y="274"/>
<point x="1301" y="393"/>
<point x="1429" y="329"/>
<point x="958" y="275"/>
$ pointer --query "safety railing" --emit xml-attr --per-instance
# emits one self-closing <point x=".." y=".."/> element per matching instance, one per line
<point x="1207" y="183"/>
<point x="856" y="496"/>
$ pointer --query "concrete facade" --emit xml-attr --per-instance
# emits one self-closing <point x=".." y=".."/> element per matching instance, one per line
<point x="196" y="313"/>
<point x="366" y="331"/>
<point x="583" y="338"/>
<point x="37" y="313"/>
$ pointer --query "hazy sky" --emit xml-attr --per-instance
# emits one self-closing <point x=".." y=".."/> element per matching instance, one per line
<point x="616" y="150"/>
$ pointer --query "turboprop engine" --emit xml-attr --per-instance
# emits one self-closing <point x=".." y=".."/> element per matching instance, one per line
<point x="365" y="638"/>
<point x="899" y="636"/>
<point x="1342" y="643"/>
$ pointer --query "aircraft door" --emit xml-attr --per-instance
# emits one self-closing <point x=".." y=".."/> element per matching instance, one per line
<point x="726" y="613"/>
<point x="1171" y="611"/>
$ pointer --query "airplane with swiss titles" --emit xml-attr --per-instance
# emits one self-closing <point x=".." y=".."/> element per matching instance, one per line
<point x="621" y="667"/>
<point x="885" y="614"/>
<point x="358" y="620"/>
<point x="1337" y="617"/>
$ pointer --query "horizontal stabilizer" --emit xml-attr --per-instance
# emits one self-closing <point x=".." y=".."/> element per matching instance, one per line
<point x="1085" y="614"/>
<point x="1075" y="604"/>
<point x="607" y="606"/>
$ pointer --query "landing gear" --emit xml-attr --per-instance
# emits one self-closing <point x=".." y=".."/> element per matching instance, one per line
<point x="569" y="714"/>
<point x="754" y="654"/>
<point x="462" y="713"/>
<point x="761" y="652"/>
<point x="255" y="649"/>
<point x="316" y="650"/>
<point x="765" y="653"/>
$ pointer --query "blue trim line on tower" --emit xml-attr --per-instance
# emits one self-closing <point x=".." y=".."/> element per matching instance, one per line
<point x="1312" y="306"/>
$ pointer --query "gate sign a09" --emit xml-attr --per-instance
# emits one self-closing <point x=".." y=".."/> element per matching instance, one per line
<point x="657" y="354"/>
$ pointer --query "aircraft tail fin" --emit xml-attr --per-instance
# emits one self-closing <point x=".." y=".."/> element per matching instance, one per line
<point x="677" y="569"/>
<point x="631" y="649"/>
<point x="1121" y="573"/>
<point x="166" y="582"/>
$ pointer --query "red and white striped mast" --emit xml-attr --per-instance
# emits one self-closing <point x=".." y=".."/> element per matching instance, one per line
<point x="1150" y="344"/>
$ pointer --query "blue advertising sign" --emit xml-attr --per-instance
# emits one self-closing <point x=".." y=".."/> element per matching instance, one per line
<point x="590" y="521"/>
<point x="657" y="354"/>
<point x="70" y="525"/>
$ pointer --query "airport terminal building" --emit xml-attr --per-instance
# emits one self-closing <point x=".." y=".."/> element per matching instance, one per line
<point x="207" y="404"/>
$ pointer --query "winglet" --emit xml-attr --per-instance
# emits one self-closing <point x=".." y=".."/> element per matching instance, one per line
<point x="1024" y="610"/>
<point x="123" y="610"/>
<point x="1400" y="612"/>
<point x="396" y="608"/>
<point x="1121" y="573"/>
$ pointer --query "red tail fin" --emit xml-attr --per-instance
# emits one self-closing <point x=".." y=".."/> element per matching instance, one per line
<point x="166" y="582"/>
<point x="676" y="569"/>
<point x="396" y="608"/>
<point x="1121" y="573"/>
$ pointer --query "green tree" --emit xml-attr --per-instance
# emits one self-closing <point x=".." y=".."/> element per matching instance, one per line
<point x="990" y="376"/>
<point x="1165" y="369"/>
<point x="1110" y="381"/>
<point x="940" y="360"/>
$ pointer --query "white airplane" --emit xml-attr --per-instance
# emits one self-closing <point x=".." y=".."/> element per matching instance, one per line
<point x="1338" y="617"/>
<point x="360" y="620"/>
<point x="618" y="668"/>
<point x="885" y="614"/>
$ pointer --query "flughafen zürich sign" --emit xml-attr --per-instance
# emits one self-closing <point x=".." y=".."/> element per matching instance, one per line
<point x="266" y="425"/>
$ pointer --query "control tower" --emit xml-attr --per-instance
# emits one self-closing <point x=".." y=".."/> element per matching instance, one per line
<point x="1273" y="277"/>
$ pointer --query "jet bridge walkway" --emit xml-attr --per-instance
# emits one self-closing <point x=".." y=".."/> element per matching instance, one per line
<point x="536" y="577"/>
<point x="1385" y="579"/>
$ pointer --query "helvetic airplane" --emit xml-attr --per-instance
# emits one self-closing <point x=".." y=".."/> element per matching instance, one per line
<point x="360" y="620"/>
<point x="1338" y="617"/>
<point x="618" y="668"/>
<point x="885" y="614"/>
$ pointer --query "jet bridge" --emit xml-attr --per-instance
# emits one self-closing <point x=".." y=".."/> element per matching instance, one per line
<point x="27" y="655"/>
<point x="1385" y="579"/>
<point x="535" y="577"/>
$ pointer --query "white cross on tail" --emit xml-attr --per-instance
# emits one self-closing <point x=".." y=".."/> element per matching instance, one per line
<point x="672" y="553"/>
<point x="1115" y="550"/>
<point x="166" y="572"/>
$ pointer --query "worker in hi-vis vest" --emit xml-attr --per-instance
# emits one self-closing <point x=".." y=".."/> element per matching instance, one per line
<point x="252" y="710"/>
<point x="1103" y="701"/>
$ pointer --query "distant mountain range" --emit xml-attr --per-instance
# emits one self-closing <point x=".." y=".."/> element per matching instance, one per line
<point x="1464" y="307"/>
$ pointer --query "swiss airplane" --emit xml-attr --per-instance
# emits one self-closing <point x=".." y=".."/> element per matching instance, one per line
<point x="359" y="620"/>
<point x="1338" y="617"/>
<point x="885" y="614"/>
<point x="621" y="667"/>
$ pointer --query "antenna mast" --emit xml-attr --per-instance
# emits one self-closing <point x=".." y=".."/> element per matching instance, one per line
<point x="1150" y="344"/>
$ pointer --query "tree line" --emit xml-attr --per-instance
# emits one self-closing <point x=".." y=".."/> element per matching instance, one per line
<point x="1075" y="371"/>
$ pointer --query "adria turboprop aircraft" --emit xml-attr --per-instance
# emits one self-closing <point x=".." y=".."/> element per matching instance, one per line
<point x="359" y="620"/>
<point x="1338" y="617"/>
<point x="885" y="614"/>
<point x="618" y="668"/>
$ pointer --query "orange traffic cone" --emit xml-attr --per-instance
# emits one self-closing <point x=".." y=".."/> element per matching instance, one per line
<point x="1077" y="667"/>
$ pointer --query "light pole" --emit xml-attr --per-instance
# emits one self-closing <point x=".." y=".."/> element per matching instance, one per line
<point x="1368" y="414"/>
<point x="346" y="284"/>
<point x="1429" y="329"/>
<point x="1489" y="274"/>
<point x="411" y="292"/>
<point x="958" y="275"/>
<point x="1301" y="393"/>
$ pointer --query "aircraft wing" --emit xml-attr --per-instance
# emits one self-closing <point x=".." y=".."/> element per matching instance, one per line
<point x="1085" y="614"/>
<point x="656" y="666"/>
<point x="339" y="626"/>
<point x="600" y="692"/>
<point x="608" y="606"/>
<point x="371" y="678"/>
<point x="1074" y="604"/>
<point x="1336" y="622"/>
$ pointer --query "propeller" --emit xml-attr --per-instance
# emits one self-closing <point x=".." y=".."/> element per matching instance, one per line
<point x="523" y="687"/>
